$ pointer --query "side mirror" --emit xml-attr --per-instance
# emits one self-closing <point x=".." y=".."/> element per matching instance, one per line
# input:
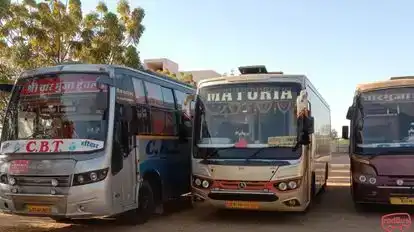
<point x="134" y="123"/>
<point x="125" y="148"/>
<point x="127" y="113"/>
<point x="311" y="125"/>
<point x="350" y="112"/>
<point x="345" y="133"/>
<point x="101" y="101"/>
<point x="117" y="158"/>
<point x="305" y="139"/>
<point x="305" y="129"/>
<point x="182" y="133"/>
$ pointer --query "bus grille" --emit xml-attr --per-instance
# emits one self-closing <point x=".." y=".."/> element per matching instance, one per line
<point x="243" y="197"/>
<point x="46" y="181"/>
<point x="392" y="181"/>
<point x="250" y="185"/>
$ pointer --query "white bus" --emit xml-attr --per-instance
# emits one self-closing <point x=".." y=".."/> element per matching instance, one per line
<point x="261" y="141"/>
<point x="84" y="141"/>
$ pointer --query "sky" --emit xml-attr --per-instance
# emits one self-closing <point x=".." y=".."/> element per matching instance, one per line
<point x="336" y="44"/>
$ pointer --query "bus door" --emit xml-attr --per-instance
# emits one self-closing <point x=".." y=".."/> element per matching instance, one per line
<point x="124" y="154"/>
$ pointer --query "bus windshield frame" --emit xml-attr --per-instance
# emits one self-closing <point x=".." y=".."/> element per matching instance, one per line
<point x="244" y="112"/>
<point x="57" y="113"/>
<point x="384" y="122"/>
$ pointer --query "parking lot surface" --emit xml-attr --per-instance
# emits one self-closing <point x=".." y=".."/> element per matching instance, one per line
<point x="333" y="211"/>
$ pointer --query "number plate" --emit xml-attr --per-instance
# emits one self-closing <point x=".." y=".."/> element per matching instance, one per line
<point x="39" y="209"/>
<point x="241" y="205"/>
<point x="402" y="200"/>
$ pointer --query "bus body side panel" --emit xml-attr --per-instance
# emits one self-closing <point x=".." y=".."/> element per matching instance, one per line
<point x="163" y="157"/>
<point x="321" y="146"/>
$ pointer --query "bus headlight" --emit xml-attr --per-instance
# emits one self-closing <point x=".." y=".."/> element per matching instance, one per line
<point x="362" y="178"/>
<point x="90" y="177"/>
<point x="287" y="185"/>
<point x="282" y="186"/>
<point x="197" y="182"/>
<point x="205" y="184"/>
<point x="367" y="179"/>
<point x="200" y="182"/>
<point x="292" y="184"/>
<point x="12" y="181"/>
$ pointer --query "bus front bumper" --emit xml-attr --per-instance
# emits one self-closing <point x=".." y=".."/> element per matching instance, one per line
<point x="85" y="201"/>
<point x="386" y="195"/>
<point x="253" y="200"/>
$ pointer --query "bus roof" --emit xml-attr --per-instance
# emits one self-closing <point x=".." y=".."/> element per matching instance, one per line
<point x="81" y="67"/>
<point x="392" y="83"/>
<point x="268" y="77"/>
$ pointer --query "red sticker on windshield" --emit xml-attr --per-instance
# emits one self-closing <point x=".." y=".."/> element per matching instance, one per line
<point x="241" y="143"/>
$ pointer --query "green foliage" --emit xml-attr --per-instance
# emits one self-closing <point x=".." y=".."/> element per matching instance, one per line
<point x="183" y="77"/>
<point x="187" y="78"/>
<point x="40" y="33"/>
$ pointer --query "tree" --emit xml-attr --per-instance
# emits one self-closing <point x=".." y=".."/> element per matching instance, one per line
<point x="34" y="34"/>
<point x="183" y="77"/>
<point x="111" y="38"/>
<point x="334" y="134"/>
<point x="7" y="74"/>
<point x="43" y="33"/>
<point x="187" y="78"/>
<point x="168" y="73"/>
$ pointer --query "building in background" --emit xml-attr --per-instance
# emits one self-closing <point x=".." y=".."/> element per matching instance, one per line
<point x="162" y="64"/>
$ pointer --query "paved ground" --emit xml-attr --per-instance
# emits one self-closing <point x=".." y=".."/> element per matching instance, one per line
<point x="332" y="212"/>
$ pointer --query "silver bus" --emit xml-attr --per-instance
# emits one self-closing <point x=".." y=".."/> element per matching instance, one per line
<point x="84" y="141"/>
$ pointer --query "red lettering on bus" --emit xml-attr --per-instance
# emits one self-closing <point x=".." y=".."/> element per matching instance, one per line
<point x="29" y="146"/>
<point x="44" y="146"/>
<point x="57" y="143"/>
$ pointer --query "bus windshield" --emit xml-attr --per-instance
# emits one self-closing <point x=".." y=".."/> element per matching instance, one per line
<point x="238" y="120"/>
<point x="387" y="120"/>
<point x="55" y="113"/>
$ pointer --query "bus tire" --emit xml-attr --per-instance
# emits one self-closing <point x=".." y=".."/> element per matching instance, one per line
<point x="146" y="203"/>
<point x="145" y="208"/>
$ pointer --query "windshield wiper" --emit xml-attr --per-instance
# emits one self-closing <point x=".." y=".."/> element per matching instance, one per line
<point x="214" y="154"/>
<point x="255" y="153"/>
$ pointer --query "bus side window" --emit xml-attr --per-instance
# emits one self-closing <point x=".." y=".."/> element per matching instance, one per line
<point x="170" y="116"/>
<point x="143" y="123"/>
<point x="156" y="103"/>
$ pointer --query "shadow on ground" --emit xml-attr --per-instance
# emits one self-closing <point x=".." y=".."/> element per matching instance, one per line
<point x="329" y="209"/>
